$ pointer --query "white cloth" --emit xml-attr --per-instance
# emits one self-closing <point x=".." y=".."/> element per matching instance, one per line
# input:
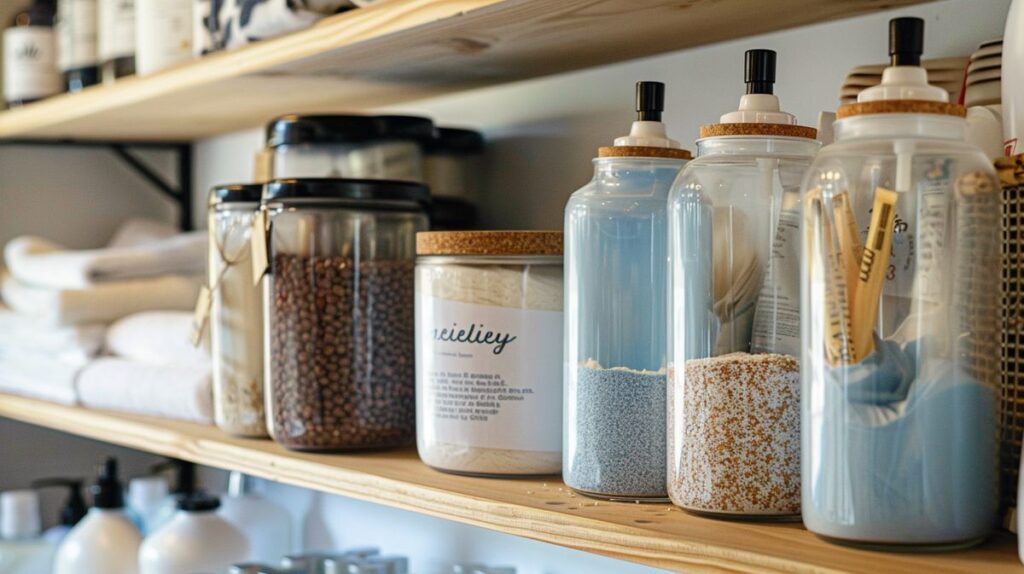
<point x="156" y="338"/>
<point x="38" y="376"/>
<point x="41" y="263"/>
<point x="178" y="392"/>
<point x="136" y="232"/>
<point x="101" y="303"/>
<point x="72" y="344"/>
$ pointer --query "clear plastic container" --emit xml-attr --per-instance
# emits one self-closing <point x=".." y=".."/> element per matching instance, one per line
<point x="338" y="302"/>
<point x="236" y="312"/>
<point x="901" y="324"/>
<point x="617" y="318"/>
<point x="348" y="146"/>
<point x="489" y="352"/>
<point x="734" y="379"/>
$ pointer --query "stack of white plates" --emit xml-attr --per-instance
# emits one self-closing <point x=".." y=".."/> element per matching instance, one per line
<point x="946" y="73"/>
<point x="984" y="75"/>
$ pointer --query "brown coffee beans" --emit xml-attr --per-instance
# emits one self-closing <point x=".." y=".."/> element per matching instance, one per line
<point x="342" y="353"/>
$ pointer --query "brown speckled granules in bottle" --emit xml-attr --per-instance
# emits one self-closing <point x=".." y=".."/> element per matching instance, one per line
<point x="735" y="441"/>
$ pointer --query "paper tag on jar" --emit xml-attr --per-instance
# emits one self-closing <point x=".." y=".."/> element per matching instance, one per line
<point x="260" y="258"/>
<point x="489" y="377"/>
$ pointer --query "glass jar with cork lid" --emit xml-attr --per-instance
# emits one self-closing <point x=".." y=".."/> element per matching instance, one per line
<point x="901" y="323"/>
<point x="339" y="257"/>
<point x="489" y="351"/>
<point x="616" y="319"/>
<point x="734" y="376"/>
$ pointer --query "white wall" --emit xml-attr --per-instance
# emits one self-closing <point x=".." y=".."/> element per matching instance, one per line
<point x="542" y="136"/>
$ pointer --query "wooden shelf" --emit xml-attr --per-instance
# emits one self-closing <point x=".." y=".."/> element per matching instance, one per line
<point x="399" y="51"/>
<point x="656" y="535"/>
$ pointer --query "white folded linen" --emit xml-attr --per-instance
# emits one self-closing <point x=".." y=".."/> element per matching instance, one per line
<point x="100" y="303"/>
<point x="156" y="338"/>
<point x="73" y="344"/>
<point x="42" y="263"/>
<point x="39" y="377"/>
<point x="179" y="392"/>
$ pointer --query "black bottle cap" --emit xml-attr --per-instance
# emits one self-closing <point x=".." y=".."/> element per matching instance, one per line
<point x="107" y="492"/>
<point x="759" y="71"/>
<point x="74" y="507"/>
<point x="198" y="502"/>
<point x="650" y="101"/>
<point x="906" y="41"/>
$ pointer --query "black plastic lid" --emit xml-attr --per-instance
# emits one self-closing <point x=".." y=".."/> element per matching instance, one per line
<point x="361" y="190"/>
<point x="236" y="193"/>
<point x="107" y="491"/>
<point x="184" y="473"/>
<point x="198" y="502"/>
<point x="759" y="71"/>
<point x="650" y="101"/>
<point x="455" y="141"/>
<point x="326" y="129"/>
<point x="906" y="41"/>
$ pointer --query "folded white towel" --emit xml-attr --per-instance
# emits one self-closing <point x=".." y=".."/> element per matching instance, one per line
<point x="156" y="338"/>
<point x="101" y="303"/>
<point x="39" y="377"/>
<point x="74" y="344"/>
<point x="179" y="392"/>
<point x="42" y="263"/>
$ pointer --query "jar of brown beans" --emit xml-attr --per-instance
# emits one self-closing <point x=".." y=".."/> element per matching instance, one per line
<point x="338" y="302"/>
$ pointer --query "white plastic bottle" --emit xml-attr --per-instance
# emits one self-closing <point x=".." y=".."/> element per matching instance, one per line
<point x="149" y="503"/>
<point x="105" y="541"/>
<point x="196" y="541"/>
<point x="267" y="526"/>
<point x="22" y="551"/>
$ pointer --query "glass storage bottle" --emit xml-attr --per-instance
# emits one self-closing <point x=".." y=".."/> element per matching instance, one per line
<point x="236" y="312"/>
<point x="349" y="146"/>
<point x="616" y="315"/>
<point x="734" y="375"/>
<point x="901" y="321"/>
<point x="489" y="351"/>
<point x="338" y="301"/>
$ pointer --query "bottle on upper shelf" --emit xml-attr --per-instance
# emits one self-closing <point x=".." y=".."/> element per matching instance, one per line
<point x="77" y="26"/>
<point x="116" y="38"/>
<point x="30" y="55"/>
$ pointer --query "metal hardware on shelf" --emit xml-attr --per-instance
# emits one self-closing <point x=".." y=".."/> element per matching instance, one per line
<point x="180" y="194"/>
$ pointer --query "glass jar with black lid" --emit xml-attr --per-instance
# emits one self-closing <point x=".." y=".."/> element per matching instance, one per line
<point x="236" y="312"/>
<point x="338" y="302"/>
<point x="348" y="146"/>
<point x="451" y="167"/>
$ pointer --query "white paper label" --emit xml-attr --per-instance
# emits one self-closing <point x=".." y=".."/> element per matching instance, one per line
<point x="77" y="24"/>
<point x="117" y="29"/>
<point x="30" y="63"/>
<point x="490" y="377"/>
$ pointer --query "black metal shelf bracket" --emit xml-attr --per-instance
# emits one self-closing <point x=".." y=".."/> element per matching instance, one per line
<point x="180" y="192"/>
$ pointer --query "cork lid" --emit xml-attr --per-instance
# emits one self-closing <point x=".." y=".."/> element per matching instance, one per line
<point x="489" y="243"/>
<point x="1011" y="170"/>
<point x="643" y="151"/>
<point x="901" y="107"/>
<point x="757" y="129"/>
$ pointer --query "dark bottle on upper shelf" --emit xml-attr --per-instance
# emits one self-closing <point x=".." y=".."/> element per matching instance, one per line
<point x="77" y="26"/>
<point x="30" y="55"/>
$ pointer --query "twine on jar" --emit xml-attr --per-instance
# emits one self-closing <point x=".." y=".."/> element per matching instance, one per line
<point x="204" y="302"/>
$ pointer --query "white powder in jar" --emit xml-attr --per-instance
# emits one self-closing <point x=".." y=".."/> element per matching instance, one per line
<point x="491" y="291"/>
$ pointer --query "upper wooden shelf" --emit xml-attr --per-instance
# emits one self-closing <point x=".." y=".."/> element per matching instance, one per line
<point x="399" y="51"/>
<point x="654" y="534"/>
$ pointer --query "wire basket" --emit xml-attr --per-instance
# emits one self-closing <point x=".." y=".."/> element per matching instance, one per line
<point x="1011" y="412"/>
